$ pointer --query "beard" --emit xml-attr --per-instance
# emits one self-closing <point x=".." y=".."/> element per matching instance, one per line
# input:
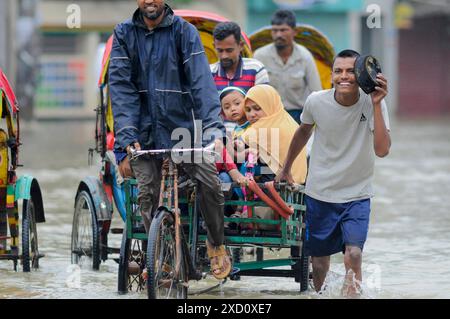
<point x="226" y="64"/>
<point x="154" y="15"/>
<point x="280" y="44"/>
<point x="280" y="47"/>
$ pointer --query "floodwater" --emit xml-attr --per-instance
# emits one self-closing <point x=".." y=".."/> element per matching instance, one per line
<point x="406" y="254"/>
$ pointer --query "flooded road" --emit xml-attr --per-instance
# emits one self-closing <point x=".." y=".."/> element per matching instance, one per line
<point x="406" y="254"/>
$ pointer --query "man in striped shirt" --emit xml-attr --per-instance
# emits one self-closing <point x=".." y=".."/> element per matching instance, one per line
<point x="232" y="69"/>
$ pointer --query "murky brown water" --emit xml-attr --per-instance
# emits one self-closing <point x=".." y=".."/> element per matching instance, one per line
<point x="406" y="255"/>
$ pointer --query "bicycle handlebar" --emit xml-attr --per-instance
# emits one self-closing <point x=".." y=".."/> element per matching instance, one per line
<point x="208" y="149"/>
<point x="277" y="185"/>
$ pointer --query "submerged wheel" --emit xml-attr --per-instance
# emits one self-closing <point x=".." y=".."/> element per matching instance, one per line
<point x="30" y="250"/>
<point x="304" y="262"/>
<point x="163" y="281"/>
<point x="85" y="233"/>
<point x="302" y="267"/>
<point x="131" y="265"/>
<point x="304" y="271"/>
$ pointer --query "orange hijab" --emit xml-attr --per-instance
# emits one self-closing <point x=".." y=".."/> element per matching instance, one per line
<point x="272" y="134"/>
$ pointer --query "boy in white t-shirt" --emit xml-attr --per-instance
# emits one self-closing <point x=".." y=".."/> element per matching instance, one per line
<point x="351" y="127"/>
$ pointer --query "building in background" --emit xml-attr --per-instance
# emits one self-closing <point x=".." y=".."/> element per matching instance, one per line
<point x="412" y="43"/>
<point x="72" y="33"/>
<point x="8" y="12"/>
<point x="363" y="25"/>
<point x="424" y="53"/>
<point x="54" y="68"/>
<point x="71" y="55"/>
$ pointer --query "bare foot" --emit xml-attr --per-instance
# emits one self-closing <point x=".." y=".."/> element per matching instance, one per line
<point x="352" y="287"/>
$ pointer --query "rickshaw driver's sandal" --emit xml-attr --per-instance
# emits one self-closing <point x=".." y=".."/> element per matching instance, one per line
<point x="219" y="260"/>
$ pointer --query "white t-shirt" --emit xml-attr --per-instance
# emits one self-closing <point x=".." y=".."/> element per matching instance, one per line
<point x="342" y="155"/>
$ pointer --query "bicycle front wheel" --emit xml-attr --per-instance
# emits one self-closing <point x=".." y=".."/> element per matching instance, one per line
<point x="30" y="251"/>
<point x="163" y="280"/>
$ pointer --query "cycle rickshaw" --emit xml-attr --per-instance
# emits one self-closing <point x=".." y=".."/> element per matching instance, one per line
<point x="98" y="197"/>
<point x="14" y="188"/>
<point x="173" y="253"/>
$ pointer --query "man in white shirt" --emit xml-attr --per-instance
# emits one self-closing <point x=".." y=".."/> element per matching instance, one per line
<point x="351" y="127"/>
<point x="291" y="67"/>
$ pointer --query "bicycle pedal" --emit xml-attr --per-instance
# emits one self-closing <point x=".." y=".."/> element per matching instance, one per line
<point x="116" y="230"/>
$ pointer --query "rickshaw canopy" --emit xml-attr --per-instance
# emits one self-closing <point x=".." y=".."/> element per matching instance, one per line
<point x="205" y="22"/>
<point x="7" y="94"/>
<point x="105" y="62"/>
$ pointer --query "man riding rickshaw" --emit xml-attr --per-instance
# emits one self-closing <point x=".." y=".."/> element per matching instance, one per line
<point x="133" y="253"/>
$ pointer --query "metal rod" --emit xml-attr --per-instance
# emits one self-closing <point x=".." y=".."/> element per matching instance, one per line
<point x="163" y="187"/>
<point x="194" y="230"/>
<point x="177" y="223"/>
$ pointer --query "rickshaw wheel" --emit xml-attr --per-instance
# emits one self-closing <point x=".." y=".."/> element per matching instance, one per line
<point x="30" y="251"/>
<point x="304" y="264"/>
<point x="131" y="264"/>
<point x="304" y="271"/>
<point x="85" y="232"/>
<point x="163" y="282"/>
<point x="301" y="267"/>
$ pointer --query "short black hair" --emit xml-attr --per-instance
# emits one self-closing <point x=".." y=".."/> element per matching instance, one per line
<point x="347" y="53"/>
<point x="225" y="29"/>
<point x="284" y="17"/>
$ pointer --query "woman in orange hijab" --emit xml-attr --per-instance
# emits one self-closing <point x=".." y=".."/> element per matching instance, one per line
<point x="271" y="130"/>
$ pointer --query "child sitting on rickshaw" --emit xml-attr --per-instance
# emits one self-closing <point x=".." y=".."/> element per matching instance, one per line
<point x="263" y="130"/>
<point x="231" y="99"/>
<point x="261" y="120"/>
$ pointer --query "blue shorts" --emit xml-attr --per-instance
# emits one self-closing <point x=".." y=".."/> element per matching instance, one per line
<point x="330" y="227"/>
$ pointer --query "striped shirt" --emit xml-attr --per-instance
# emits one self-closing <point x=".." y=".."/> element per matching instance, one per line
<point x="249" y="73"/>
